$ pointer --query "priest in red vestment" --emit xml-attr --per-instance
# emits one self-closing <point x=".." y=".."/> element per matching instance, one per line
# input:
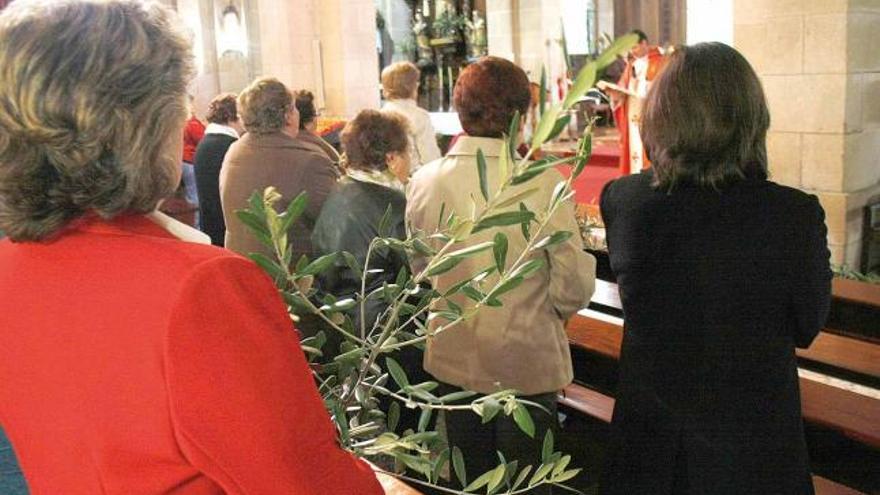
<point x="642" y="67"/>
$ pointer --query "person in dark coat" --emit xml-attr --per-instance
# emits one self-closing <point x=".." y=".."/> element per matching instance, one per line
<point x="223" y="130"/>
<point x="722" y="273"/>
<point x="377" y="166"/>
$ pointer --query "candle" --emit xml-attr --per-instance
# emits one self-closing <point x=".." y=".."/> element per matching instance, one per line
<point x="442" y="90"/>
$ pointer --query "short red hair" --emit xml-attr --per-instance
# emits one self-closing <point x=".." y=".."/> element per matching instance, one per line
<point x="487" y="95"/>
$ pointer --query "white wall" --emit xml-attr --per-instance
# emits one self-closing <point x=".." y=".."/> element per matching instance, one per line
<point x="710" y="20"/>
<point x="574" y="21"/>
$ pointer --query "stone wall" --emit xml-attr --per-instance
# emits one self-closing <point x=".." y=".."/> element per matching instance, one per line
<point x="527" y="32"/>
<point x="326" y="46"/>
<point x="821" y="74"/>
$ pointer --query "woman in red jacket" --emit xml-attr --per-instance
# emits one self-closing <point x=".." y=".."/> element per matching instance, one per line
<point x="132" y="361"/>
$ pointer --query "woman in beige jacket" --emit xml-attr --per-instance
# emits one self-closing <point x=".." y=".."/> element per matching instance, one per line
<point x="521" y="345"/>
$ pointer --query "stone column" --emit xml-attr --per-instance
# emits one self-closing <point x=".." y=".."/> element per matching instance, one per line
<point x="502" y="28"/>
<point x="821" y="75"/>
<point x="347" y="32"/>
<point x="528" y="33"/>
<point x="198" y="16"/>
<point x="286" y="33"/>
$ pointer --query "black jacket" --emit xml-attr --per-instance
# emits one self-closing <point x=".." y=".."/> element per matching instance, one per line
<point x="718" y="287"/>
<point x="349" y="221"/>
<point x="208" y="161"/>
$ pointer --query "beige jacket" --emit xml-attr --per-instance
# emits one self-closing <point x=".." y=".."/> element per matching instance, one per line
<point x="423" y="139"/>
<point x="255" y="162"/>
<point x="521" y="345"/>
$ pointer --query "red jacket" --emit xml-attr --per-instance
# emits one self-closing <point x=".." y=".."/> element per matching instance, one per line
<point x="134" y="363"/>
<point x="192" y="135"/>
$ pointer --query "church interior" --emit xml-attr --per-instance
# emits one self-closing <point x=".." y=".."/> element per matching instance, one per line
<point x="819" y="68"/>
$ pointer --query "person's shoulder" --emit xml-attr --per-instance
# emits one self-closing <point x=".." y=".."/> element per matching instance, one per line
<point x="239" y="147"/>
<point x="427" y="174"/>
<point x="183" y="255"/>
<point x="427" y="185"/>
<point x="360" y="192"/>
<point x="213" y="143"/>
<point x="630" y="185"/>
<point x="204" y="264"/>
<point x="216" y="138"/>
<point x="422" y="113"/>
<point x="789" y="197"/>
<point x="148" y="248"/>
<point x="315" y="161"/>
<point x="195" y="124"/>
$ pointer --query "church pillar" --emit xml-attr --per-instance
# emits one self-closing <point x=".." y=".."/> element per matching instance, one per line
<point x="663" y="21"/>
<point x="527" y="32"/>
<point x="501" y="21"/>
<point x="347" y="34"/>
<point x="822" y="81"/>
<point x="286" y="31"/>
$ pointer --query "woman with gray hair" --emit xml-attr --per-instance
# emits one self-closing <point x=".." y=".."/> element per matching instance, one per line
<point x="269" y="155"/>
<point x="134" y="360"/>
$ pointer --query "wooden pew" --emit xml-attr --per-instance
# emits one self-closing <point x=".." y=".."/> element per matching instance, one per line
<point x="600" y="407"/>
<point x="830" y="349"/>
<point x="855" y="292"/>
<point x="844" y="353"/>
<point x="850" y="413"/>
<point x="855" y="310"/>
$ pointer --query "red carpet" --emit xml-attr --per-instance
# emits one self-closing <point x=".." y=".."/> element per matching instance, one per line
<point x="602" y="168"/>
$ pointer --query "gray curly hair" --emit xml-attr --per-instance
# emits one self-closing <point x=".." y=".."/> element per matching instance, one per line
<point x="92" y="93"/>
<point x="265" y="106"/>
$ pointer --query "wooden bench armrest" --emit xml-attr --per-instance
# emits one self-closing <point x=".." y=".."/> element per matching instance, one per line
<point x="856" y="292"/>
<point x="587" y="401"/>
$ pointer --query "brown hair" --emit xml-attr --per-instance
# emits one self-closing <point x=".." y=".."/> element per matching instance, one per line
<point x="94" y="97"/>
<point x="706" y="119"/>
<point x="400" y="80"/>
<point x="264" y="106"/>
<point x="222" y="109"/>
<point x="487" y="95"/>
<point x="371" y="135"/>
<point x="305" y="104"/>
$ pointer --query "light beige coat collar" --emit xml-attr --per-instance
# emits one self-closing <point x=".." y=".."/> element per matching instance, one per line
<point x="178" y="229"/>
<point x="468" y="145"/>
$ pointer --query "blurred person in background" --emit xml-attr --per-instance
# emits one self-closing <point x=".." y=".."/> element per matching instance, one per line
<point x="193" y="133"/>
<point x="308" y="123"/>
<point x="270" y="155"/>
<point x="223" y="129"/>
<point x="400" y="86"/>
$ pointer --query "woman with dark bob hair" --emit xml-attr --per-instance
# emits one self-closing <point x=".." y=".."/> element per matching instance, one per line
<point x="489" y="351"/>
<point x="134" y="359"/>
<point x="722" y="273"/>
